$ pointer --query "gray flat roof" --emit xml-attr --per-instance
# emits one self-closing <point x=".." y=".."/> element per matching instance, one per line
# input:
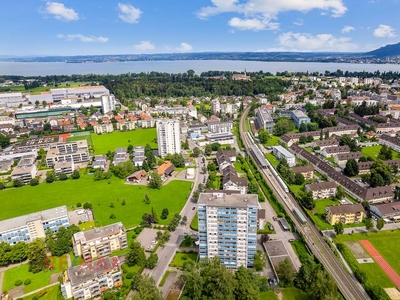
<point x="225" y="200"/>
<point x="283" y="151"/>
<point x="48" y="214"/>
<point x="98" y="233"/>
<point x="83" y="273"/>
<point x="299" y="114"/>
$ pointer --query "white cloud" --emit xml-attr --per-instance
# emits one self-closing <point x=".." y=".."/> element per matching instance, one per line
<point x="184" y="48"/>
<point x="320" y="42"/>
<point x="129" y="13"/>
<point x="60" y="12"/>
<point x="384" y="31"/>
<point x="299" y="22"/>
<point x="251" y="24"/>
<point x="347" y="29"/>
<point x="144" y="46"/>
<point x="83" y="38"/>
<point x="266" y="10"/>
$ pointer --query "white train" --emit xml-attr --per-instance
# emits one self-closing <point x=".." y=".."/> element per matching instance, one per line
<point x="264" y="163"/>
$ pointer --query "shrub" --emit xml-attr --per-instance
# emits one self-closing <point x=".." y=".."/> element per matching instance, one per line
<point x="35" y="297"/>
<point x="87" y="205"/>
<point x="18" y="282"/>
<point x="27" y="281"/>
<point x="79" y="204"/>
<point x="130" y="275"/>
<point x="112" y="216"/>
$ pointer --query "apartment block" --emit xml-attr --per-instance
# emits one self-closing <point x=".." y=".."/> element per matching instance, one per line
<point x="322" y="190"/>
<point x="306" y="171"/>
<point x="347" y="214"/>
<point x="107" y="103"/>
<point x="89" y="281"/>
<point x="26" y="169"/>
<point x="168" y="137"/>
<point x="264" y="119"/>
<point x="282" y="153"/>
<point x="99" y="242"/>
<point x="228" y="228"/>
<point x="103" y="128"/>
<point x="299" y="117"/>
<point x="32" y="226"/>
<point x="78" y="152"/>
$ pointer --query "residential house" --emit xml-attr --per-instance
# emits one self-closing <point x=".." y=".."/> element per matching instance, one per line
<point x="333" y="151"/>
<point x="347" y="214"/>
<point x="322" y="144"/>
<point x="322" y="190"/>
<point x="99" y="242"/>
<point x="282" y="153"/>
<point x="306" y="171"/>
<point x="391" y="142"/>
<point x="225" y="158"/>
<point x="138" y="156"/>
<point x="66" y="167"/>
<point x="91" y="280"/>
<point x="166" y="169"/>
<point x="342" y="158"/>
<point x="299" y="117"/>
<point x="120" y="155"/>
<point x="231" y="181"/>
<point x="25" y="170"/>
<point x="136" y="177"/>
<point x="100" y="162"/>
<point x="103" y="128"/>
<point x="387" y="211"/>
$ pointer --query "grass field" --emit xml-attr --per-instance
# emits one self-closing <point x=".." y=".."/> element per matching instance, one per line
<point x="24" y="200"/>
<point x="272" y="141"/>
<point x="272" y="159"/>
<point x="269" y="295"/>
<point x="51" y="293"/>
<point x="181" y="257"/>
<point x="21" y="88"/>
<point x="195" y="223"/>
<point x="88" y="138"/>
<point x="38" y="280"/>
<point x="386" y="242"/>
<point x="104" y="142"/>
<point x="294" y="294"/>
<point x="373" y="151"/>
<point x="86" y="226"/>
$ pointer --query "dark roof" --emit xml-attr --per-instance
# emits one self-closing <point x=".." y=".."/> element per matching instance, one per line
<point x="321" y="185"/>
<point x="137" y="175"/>
<point x="332" y="142"/>
<point x="390" y="139"/>
<point x="228" y="192"/>
<point x="302" y="169"/>
<point x="388" y="208"/>
<point x="346" y="209"/>
<point x="261" y="214"/>
<point x="350" y="155"/>
<point x="378" y="192"/>
<point x="337" y="149"/>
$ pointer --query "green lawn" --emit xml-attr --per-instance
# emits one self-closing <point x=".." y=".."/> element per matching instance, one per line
<point x="373" y="151"/>
<point x="294" y="294"/>
<point x="181" y="257"/>
<point x="195" y="223"/>
<point x="101" y="194"/>
<point x="51" y="293"/>
<point x="386" y="242"/>
<point x="104" y="142"/>
<point x="269" y="295"/>
<point x="86" y="226"/>
<point x="272" y="141"/>
<point x="88" y="138"/>
<point x="272" y="159"/>
<point x="38" y="280"/>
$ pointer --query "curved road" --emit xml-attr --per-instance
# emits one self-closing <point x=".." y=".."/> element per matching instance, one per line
<point x="347" y="284"/>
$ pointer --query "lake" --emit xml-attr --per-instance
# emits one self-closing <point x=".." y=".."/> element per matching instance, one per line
<point x="180" y="66"/>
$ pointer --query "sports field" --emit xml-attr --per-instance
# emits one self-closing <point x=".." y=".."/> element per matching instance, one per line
<point x="110" y="141"/>
<point x="386" y="243"/>
<point x="28" y="199"/>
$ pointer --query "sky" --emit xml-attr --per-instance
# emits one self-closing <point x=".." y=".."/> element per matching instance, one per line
<point x="91" y="27"/>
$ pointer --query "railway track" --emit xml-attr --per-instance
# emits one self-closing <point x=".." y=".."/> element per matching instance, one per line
<point x="347" y="285"/>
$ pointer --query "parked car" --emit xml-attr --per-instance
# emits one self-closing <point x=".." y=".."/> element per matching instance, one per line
<point x="271" y="227"/>
<point x="291" y="240"/>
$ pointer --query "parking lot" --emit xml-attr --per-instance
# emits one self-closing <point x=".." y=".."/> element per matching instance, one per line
<point x="80" y="215"/>
<point x="148" y="238"/>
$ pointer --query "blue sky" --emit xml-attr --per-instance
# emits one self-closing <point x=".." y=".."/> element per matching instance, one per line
<point x="83" y="27"/>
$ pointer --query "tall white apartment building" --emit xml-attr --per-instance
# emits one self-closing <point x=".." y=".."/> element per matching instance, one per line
<point x="228" y="228"/>
<point x="168" y="137"/>
<point x="107" y="103"/>
<point x="215" y="106"/>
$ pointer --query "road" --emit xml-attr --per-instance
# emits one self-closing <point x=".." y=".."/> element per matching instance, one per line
<point x="166" y="253"/>
<point x="347" y="284"/>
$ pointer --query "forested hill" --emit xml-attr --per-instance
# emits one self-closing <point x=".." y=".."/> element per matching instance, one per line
<point x="388" y="50"/>
<point x="126" y="88"/>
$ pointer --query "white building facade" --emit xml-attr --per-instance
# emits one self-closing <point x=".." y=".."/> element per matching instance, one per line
<point x="168" y="132"/>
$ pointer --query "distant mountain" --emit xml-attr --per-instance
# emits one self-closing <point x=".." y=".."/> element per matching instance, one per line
<point x="388" y="50"/>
